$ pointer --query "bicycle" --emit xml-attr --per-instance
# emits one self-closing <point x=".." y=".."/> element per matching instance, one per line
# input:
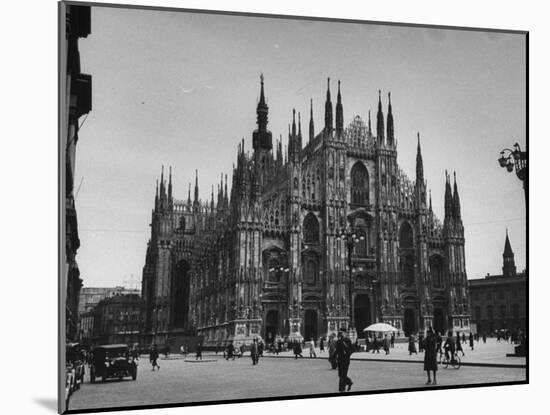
<point x="454" y="361"/>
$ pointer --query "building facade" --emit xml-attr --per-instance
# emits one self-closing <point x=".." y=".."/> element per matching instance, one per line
<point x="115" y="319"/>
<point x="78" y="101"/>
<point x="499" y="302"/>
<point x="91" y="296"/>
<point x="268" y="257"/>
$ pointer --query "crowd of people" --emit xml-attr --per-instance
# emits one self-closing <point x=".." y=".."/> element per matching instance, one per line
<point x="435" y="347"/>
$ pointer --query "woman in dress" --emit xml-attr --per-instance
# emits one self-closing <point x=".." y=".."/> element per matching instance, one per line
<point x="430" y="356"/>
<point x="412" y="345"/>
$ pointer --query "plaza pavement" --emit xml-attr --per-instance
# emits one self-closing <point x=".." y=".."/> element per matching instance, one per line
<point x="215" y="379"/>
<point x="492" y="353"/>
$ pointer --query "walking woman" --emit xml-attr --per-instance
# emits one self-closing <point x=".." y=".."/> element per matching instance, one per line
<point x="458" y="344"/>
<point x="430" y="356"/>
<point x="412" y="345"/>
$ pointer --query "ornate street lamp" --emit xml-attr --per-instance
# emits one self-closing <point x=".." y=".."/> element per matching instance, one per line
<point x="518" y="159"/>
<point x="350" y="238"/>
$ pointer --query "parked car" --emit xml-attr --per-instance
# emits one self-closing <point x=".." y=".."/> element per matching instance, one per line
<point x="112" y="361"/>
<point x="74" y="369"/>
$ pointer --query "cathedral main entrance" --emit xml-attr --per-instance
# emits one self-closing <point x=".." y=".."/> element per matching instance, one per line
<point x="362" y="314"/>
<point x="410" y="322"/>
<point x="271" y="325"/>
<point x="181" y="284"/>
<point x="310" y="329"/>
<point x="439" y="321"/>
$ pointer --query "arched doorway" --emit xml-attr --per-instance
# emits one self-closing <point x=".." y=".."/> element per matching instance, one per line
<point x="410" y="322"/>
<point x="271" y="325"/>
<point x="181" y="294"/>
<point x="439" y="321"/>
<point x="362" y="314"/>
<point x="310" y="329"/>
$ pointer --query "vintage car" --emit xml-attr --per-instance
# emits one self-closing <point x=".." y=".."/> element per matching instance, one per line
<point x="112" y="361"/>
<point x="74" y="370"/>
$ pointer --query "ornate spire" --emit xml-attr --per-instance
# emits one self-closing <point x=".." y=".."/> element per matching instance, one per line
<point x="293" y="122"/>
<point x="261" y="138"/>
<point x="280" y="150"/>
<point x="162" y="182"/>
<point x="226" y="196"/>
<point x="456" y="200"/>
<point x="196" y="200"/>
<point x="170" y="185"/>
<point x="370" y="129"/>
<point x="380" y="121"/>
<point x="419" y="163"/>
<point x="431" y="210"/>
<point x="328" y="110"/>
<point x="509" y="265"/>
<point x="189" y="194"/>
<point x="299" y="138"/>
<point x="212" y="200"/>
<point x="448" y="197"/>
<point x="311" y="127"/>
<point x="391" y="140"/>
<point x="157" y="194"/>
<point x="339" y="112"/>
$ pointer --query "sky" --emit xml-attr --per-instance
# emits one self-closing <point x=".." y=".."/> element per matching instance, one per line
<point x="180" y="89"/>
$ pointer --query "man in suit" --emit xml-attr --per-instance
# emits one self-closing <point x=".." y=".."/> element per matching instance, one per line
<point x="344" y="349"/>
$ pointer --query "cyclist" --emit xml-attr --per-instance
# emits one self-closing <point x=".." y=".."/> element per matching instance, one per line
<point x="450" y="346"/>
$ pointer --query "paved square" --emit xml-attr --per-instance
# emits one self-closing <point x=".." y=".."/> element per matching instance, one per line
<point x="217" y="379"/>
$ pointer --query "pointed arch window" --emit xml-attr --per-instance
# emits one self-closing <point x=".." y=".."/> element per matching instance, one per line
<point x="407" y="270"/>
<point x="359" y="184"/>
<point x="311" y="229"/>
<point x="436" y="271"/>
<point x="311" y="271"/>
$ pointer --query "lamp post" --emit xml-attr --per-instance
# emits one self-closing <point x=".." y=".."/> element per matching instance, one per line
<point x="350" y="238"/>
<point x="518" y="159"/>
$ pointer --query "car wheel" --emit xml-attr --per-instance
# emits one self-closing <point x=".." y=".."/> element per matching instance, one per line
<point x="103" y="378"/>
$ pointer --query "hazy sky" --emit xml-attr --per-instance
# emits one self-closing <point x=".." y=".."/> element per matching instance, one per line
<point x="181" y="89"/>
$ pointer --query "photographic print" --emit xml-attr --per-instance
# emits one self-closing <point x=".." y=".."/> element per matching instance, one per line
<point x="260" y="207"/>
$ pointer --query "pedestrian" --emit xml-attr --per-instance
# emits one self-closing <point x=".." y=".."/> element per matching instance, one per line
<point x="344" y="349"/>
<point x="392" y="340"/>
<point x="375" y="345"/>
<point x="332" y="352"/>
<point x="471" y="341"/>
<point x="199" y="351"/>
<point x="153" y="357"/>
<point x="459" y="345"/>
<point x="484" y="337"/>
<point x="182" y="350"/>
<point x="438" y="345"/>
<point x="421" y="342"/>
<point x="463" y="338"/>
<point x="312" y="353"/>
<point x="260" y="348"/>
<point x="367" y="343"/>
<point x="322" y="345"/>
<point x="297" y="348"/>
<point x="450" y="346"/>
<point x="230" y="351"/>
<point x="412" y="345"/>
<point x="254" y="352"/>
<point x="386" y="344"/>
<point x="430" y="356"/>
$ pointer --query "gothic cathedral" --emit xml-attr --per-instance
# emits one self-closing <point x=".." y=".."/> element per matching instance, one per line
<point x="270" y="258"/>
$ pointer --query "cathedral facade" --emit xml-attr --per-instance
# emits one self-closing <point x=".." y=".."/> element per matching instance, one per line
<point x="269" y="257"/>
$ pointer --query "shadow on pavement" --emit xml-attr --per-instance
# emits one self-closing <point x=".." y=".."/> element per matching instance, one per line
<point x="48" y="403"/>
